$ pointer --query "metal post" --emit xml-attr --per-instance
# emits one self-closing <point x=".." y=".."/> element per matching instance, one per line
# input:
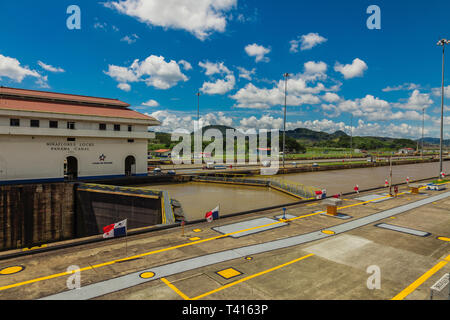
<point x="198" y="106"/>
<point x="351" y="133"/>
<point x="442" y="42"/>
<point x="286" y="75"/>
<point x="423" y="128"/>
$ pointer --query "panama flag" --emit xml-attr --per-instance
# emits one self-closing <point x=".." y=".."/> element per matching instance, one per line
<point x="212" y="215"/>
<point x="115" y="230"/>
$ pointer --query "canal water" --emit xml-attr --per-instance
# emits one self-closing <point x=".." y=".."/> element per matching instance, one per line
<point x="198" y="198"/>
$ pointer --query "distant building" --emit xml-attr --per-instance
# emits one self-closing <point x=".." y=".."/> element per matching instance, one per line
<point x="406" y="151"/>
<point x="46" y="136"/>
<point x="162" y="153"/>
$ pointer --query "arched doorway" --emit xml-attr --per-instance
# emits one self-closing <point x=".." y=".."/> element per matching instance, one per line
<point x="130" y="166"/>
<point x="71" y="168"/>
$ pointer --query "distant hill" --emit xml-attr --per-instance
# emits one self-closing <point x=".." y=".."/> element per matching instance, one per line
<point x="307" y="137"/>
<point x="433" y="142"/>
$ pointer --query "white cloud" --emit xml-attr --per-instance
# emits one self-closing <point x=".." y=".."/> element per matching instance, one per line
<point x="151" y="103"/>
<point x="257" y="51"/>
<point x="356" y="69"/>
<point x="331" y="97"/>
<point x="130" y="39"/>
<point x="405" y="86"/>
<point x="124" y="86"/>
<point x="50" y="68"/>
<point x="417" y="101"/>
<point x="220" y="86"/>
<point x="173" y="121"/>
<point x="246" y="74"/>
<point x="11" y="68"/>
<point x="315" y="67"/>
<point x="154" y="71"/>
<point x="307" y="41"/>
<point x="199" y="17"/>
<point x="186" y="65"/>
<point x="438" y="91"/>
<point x="214" y="68"/>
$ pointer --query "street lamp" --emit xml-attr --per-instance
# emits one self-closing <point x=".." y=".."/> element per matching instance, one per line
<point x="442" y="43"/>
<point x="198" y="106"/>
<point x="286" y="75"/>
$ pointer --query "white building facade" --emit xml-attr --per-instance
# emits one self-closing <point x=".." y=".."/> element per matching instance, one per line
<point x="48" y="137"/>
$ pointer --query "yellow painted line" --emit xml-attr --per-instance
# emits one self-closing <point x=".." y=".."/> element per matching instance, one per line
<point x="413" y="286"/>
<point x="170" y="248"/>
<point x="328" y="232"/>
<point x="171" y="286"/>
<point x="194" y="239"/>
<point x="197" y="230"/>
<point x="120" y="193"/>
<point x="444" y="238"/>
<point x="250" y="277"/>
<point x="34" y="248"/>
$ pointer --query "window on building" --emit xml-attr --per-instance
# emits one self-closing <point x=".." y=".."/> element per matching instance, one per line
<point x="34" y="123"/>
<point x="130" y="140"/>
<point x="117" y="127"/>
<point x="53" y="124"/>
<point x="14" y="122"/>
<point x="102" y="126"/>
<point x="130" y="128"/>
<point x="71" y="125"/>
<point x="71" y="139"/>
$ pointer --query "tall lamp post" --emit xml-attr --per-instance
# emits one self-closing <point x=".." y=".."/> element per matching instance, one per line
<point x="442" y="43"/>
<point x="286" y="75"/>
<point x="198" y="106"/>
<point x="423" y="127"/>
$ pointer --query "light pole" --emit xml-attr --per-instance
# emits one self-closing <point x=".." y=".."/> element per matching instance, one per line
<point x="351" y="134"/>
<point x="423" y="127"/>
<point x="442" y="43"/>
<point x="198" y="106"/>
<point x="286" y="75"/>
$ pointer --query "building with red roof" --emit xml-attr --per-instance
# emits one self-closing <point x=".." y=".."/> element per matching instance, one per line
<point x="48" y="136"/>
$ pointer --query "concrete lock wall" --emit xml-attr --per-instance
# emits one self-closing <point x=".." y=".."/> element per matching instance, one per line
<point x="34" y="214"/>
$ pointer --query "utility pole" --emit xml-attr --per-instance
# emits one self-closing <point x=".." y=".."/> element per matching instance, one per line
<point x="198" y="106"/>
<point x="442" y="43"/>
<point x="423" y="128"/>
<point x="351" y="133"/>
<point x="286" y="75"/>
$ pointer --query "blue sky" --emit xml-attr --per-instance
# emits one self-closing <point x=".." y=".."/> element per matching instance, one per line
<point x="156" y="54"/>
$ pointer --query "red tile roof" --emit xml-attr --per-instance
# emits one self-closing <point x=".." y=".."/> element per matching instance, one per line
<point x="53" y="96"/>
<point x="58" y="108"/>
<point x="61" y="103"/>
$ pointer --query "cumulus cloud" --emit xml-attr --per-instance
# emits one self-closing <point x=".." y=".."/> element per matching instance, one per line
<point x="124" y="86"/>
<point x="438" y="91"/>
<point x="214" y="68"/>
<point x="331" y="97"/>
<point x="315" y="67"/>
<point x="151" y="103"/>
<point x="186" y="65"/>
<point x="220" y="86"/>
<point x="355" y="69"/>
<point x="154" y="71"/>
<point x="257" y="51"/>
<point x="173" y="121"/>
<point x="11" y="68"/>
<point x="50" y="68"/>
<point x="417" y="101"/>
<point x="198" y="17"/>
<point x="246" y="74"/>
<point x="306" y="42"/>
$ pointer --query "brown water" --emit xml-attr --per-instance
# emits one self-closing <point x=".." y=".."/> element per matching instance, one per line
<point x="198" y="198"/>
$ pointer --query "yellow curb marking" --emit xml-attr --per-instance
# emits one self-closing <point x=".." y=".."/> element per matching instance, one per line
<point x="11" y="270"/>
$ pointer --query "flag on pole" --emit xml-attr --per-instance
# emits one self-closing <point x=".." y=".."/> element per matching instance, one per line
<point x="115" y="230"/>
<point x="212" y="215"/>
